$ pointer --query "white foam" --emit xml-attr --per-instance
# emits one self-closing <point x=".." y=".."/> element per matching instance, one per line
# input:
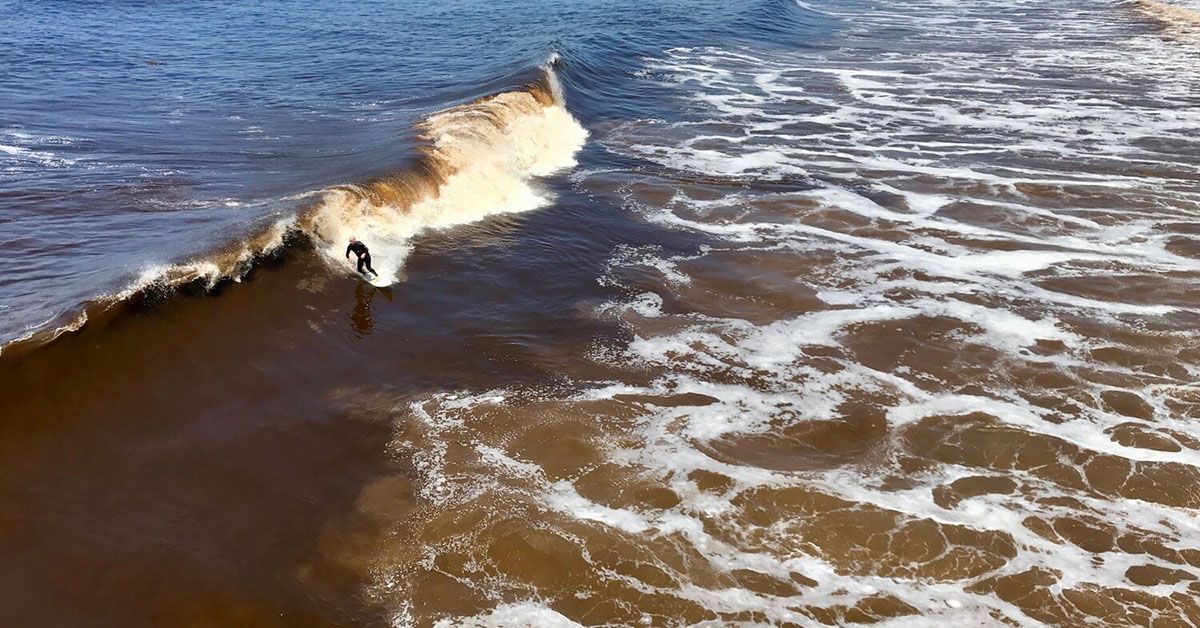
<point x="45" y="158"/>
<point x="521" y="614"/>
<point x="492" y="177"/>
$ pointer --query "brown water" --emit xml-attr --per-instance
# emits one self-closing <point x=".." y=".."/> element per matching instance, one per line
<point x="886" y="332"/>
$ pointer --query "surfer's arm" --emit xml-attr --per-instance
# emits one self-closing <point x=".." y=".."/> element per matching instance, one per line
<point x="348" y="252"/>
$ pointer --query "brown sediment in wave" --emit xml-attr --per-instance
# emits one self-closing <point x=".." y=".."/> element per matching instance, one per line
<point x="494" y="143"/>
<point x="472" y="160"/>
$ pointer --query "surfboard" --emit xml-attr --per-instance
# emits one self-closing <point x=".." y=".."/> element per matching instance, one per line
<point x="378" y="282"/>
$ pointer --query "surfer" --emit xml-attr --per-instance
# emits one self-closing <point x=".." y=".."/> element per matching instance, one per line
<point x="364" y="256"/>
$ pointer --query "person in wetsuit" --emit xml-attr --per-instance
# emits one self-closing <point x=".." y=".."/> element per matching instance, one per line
<point x="364" y="256"/>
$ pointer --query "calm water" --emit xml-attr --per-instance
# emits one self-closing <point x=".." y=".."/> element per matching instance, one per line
<point x="774" y="313"/>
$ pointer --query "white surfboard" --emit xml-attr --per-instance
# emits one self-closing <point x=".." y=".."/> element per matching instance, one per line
<point x="376" y="280"/>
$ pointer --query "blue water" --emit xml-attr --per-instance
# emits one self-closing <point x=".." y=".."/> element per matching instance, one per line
<point x="138" y="134"/>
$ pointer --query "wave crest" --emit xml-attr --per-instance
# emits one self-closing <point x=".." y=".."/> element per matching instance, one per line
<point x="1173" y="14"/>
<point x="476" y="160"/>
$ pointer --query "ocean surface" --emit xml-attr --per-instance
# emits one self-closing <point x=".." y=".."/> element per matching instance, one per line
<point x="698" y="313"/>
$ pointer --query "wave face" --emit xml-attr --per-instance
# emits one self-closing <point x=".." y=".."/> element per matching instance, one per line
<point x="1175" y="13"/>
<point x="479" y="159"/>
<point x="473" y="161"/>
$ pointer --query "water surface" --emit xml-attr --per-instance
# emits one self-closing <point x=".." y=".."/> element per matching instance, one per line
<point x="777" y="314"/>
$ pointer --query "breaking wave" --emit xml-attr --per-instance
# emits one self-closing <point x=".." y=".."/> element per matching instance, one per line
<point x="473" y="160"/>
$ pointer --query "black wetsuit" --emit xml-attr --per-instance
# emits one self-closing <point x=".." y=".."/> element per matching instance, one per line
<point x="364" y="256"/>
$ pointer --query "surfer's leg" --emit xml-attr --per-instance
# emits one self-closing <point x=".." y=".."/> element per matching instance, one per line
<point x="366" y="259"/>
<point x="361" y="261"/>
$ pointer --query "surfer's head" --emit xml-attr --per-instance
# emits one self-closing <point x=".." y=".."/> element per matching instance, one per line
<point x="353" y="239"/>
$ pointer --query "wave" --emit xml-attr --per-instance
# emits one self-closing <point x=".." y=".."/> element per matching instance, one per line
<point x="476" y="160"/>
<point x="1171" y="13"/>
<point x="473" y="160"/>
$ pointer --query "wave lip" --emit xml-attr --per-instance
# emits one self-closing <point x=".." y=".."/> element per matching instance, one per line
<point x="477" y="159"/>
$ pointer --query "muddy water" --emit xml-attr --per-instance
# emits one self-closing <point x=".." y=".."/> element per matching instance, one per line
<point x="895" y="324"/>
